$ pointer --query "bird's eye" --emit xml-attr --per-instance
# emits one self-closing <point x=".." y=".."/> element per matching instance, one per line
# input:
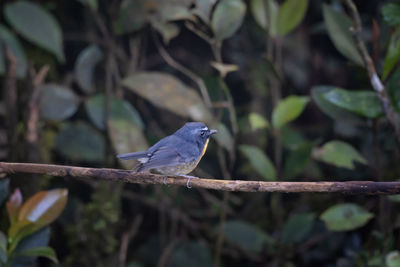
<point x="202" y="133"/>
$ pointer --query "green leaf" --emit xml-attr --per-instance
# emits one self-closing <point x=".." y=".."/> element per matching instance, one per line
<point x="167" y="92"/>
<point x="261" y="163"/>
<point x="36" y="25"/>
<point x="8" y="38"/>
<point x="245" y="235"/>
<point x="126" y="137"/>
<point x="297" y="160"/>
<point x="338" y="25"/>
<point x="224" y="137"/>
<point x="392" y="259"/>
<point x="203" y="9"/>
<point x="168" y="30"/>
<point x="119" y="109"/>
<point x="258" y="122"/>
<point x="345" y="217"/>
<point x="3" y="248"/>
<point x="297" y="227"/>
<point x="3" y="189"/>
<point x="333" y="111"/>
<point x="291" y="13"/>
<point x="172" y="12"/>
<point x="46" y="252"/>
<point x="340" y="154"/>
<point x="85" y="65"/>
<point x="126" y="23"/>
<point x="80" y="142"/>
<point x="364" y="103"/>
<point x="13" y="206"/>
<point x="392" y="54"/>
<point x="193" y="254"/>
<point x="291" y="138"/>
<point x="288" y="109"/>
<point x="267" y="18"/>
<point x="57" y="102"/>
<point x="227" y="18"/>
<point x="391" y="13"/>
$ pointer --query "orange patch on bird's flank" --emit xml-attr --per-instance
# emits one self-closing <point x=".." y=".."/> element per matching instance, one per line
<point x="205" y="147"/>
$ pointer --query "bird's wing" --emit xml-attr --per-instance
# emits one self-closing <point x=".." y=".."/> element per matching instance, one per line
<point x="133" y="155"/>
<point x="161" y="157"/>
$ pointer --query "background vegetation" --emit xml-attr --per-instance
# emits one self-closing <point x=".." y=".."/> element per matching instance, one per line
<point x="284" y="83"/>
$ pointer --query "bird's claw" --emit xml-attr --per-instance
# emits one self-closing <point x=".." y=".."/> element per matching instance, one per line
<point x="165" y="180"/>
<point x="188" y="181"/>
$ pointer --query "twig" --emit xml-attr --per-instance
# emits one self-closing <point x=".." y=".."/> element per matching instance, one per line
<point x="33" y="117"/>
<point x="126" y="238"/>
<point x="11" y="92"/>
<point x="350" y="187"/>
<point x="375" y="81"/>
<point x="176" y="65"/>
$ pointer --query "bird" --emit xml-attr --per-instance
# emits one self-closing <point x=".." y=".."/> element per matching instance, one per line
<point x="176" y="154"/>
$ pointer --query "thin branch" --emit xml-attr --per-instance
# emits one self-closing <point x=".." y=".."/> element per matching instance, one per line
<point x="375" y="81"/>
<point x="351" y="187"/>
<point x="176" y="65"/>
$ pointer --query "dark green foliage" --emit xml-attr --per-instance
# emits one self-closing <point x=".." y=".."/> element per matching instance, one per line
<point x="284" y="84"/>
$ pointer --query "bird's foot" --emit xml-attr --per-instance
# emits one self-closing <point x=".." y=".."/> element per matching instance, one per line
<point x="165" y="180"/>
<point x="188" y="181"/>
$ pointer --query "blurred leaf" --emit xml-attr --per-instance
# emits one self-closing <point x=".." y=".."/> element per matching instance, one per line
<point x="203" y="9"/>
<point x="340" y="154"/>
<point x="297" y="227"/>
<point x="57" y="102"/>
<point x="85" y="65"/>
<point x="297" y="160"/>
<point x="3" y="189"/>
<point x="258" y="122"/>
<point x="338" y="25"/>
<point x="364" y="103"/>
<point x="193" y="254"/>
<point x="92" y="4"/>
<point x="261" y="163"/>
<point x="168" y="30"/>
<point x="391" y="13"/>
<point x="80" y="142"/>
<point x="245" y="235"/>
<point x="392" y="259"/>
<point x="3" y="248"/>
<point x="392" y="54"/>
<point x="291" y="138"/>
<point x="224" y="137"/>
<point x="288" y="109"/>
<point x="126" y="137"/>
<point x="39" y="238"/>
<point x="119" y="109"/>
<point x="46" y="252"/>
<point x="345" y="217"/>
<point x="227" y="18"/>
<point x="44" y="207"/>
<point x="394" y="198"/>
<point x="267" y="18"/>
<point x="37" y="25"/>
<point x="172" y="12"/>
<point x="14" y="205"/>
<point x="291" y="13"/>
<point x="165" y="91"/>
<point x="8" y="38"/>
<point x="127" y="23"/>
<point x="333" y="111"/>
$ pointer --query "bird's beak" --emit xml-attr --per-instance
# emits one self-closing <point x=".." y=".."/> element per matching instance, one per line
<point x="213" y="132"/>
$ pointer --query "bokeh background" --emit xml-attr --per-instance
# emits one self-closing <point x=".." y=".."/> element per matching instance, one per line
<point x="282" y="81"/>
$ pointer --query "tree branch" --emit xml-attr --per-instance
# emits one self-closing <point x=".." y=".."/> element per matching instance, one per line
<point x="351" y="187"/>
<point x="375" y="81"/>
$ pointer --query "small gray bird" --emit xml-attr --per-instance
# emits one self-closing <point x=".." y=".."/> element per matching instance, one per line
<point x="177" y="154"/>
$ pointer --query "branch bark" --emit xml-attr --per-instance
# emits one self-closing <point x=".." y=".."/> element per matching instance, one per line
<point x="375" y="81"/>
<point x="350" y="187"/>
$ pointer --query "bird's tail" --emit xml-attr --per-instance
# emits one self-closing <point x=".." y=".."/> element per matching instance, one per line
<point x="133" y="155"/>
